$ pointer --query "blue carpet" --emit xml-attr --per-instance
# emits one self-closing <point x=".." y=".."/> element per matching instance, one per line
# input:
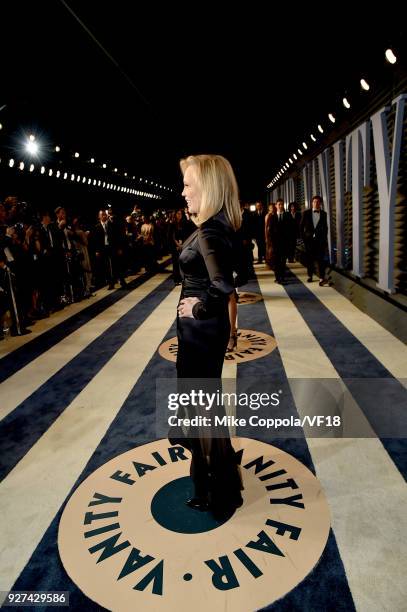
<point x="10" y="364"/>
<point x="134" y="425"/>
<point x="352" y="360"/>
<point x="28" y="421"/>
<point x="326" y="587"/>
<point x="323" y="590"/>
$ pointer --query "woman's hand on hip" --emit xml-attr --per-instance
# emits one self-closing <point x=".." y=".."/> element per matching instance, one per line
<point x="185" y="307"/>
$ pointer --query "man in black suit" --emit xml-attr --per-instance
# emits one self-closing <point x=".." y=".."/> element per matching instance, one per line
<point x="52" y="263"/>
<point x="279" y="228"/>
<point x="314" y="231"/>
<point x="109" y="243"/>
<point x="295" y="218"/>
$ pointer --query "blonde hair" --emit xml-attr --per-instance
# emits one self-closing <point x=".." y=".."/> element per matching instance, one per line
<point x="219" y="188"/>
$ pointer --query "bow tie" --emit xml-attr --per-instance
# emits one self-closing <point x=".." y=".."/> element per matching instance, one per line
<point x="316" y="211"/>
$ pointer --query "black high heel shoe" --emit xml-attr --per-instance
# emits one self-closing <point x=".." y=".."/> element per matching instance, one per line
<point x="196" y="503"/>
<point x="232" y="344"/>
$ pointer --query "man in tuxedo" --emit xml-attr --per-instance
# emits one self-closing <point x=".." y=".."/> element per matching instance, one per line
<point x="314" y="231"/>
<point x="279" y="228"/>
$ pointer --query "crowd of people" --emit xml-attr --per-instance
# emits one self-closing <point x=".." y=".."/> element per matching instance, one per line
<point x="279" y="232"/>
<point x="52" y="258"/>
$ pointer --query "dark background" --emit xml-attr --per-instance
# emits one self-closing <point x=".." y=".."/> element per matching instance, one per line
<point x="247" y="83"/>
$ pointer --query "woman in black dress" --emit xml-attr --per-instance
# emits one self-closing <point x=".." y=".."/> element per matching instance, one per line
<point x="206" y="264"/>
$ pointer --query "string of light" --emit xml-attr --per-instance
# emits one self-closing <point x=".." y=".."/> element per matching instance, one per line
<point x="391" y="58"/>
<point x="33" y="148"/>
<point x="78" y="178"/>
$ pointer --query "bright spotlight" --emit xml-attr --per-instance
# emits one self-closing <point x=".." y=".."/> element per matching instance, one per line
<point x="391" y="58"/>
<point x="320" y="128"/>
<point x="346" y="103"/>
<point x="31" y="138"/>
<point x="364" y="84"/>
<point x="57" y="149"/>
<point x="32" y="147"/>
<point x="331" y="118"/>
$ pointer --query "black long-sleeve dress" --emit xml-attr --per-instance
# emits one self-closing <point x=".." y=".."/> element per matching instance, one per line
<point x="206" y="264"/>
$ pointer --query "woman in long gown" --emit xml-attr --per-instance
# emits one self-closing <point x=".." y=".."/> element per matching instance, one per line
<point x="203" y="328"/>
<point x="269" y="247"/>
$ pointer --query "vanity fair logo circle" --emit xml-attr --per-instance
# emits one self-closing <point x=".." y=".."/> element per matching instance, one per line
<point x="251" y="344"/>
<point x="249" y="297"/>
<point x="129" y="542"/>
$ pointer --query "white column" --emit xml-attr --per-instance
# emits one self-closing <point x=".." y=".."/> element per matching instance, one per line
<point x="387" y="172"/>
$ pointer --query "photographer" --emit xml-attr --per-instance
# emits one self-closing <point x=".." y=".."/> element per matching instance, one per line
<point x="8" y="298"/>
<point x="71" y="270"/>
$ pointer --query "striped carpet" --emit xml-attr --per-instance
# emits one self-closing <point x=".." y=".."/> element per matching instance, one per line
<point x="82" y="391"/>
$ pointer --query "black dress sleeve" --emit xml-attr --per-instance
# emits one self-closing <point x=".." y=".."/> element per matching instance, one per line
<point x="216" y="251"/>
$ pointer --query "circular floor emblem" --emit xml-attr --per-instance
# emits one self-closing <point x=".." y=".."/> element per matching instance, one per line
<point x="129" y="542"/>
<point x="248" y="297"/>
<point x="251" y="344"/>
